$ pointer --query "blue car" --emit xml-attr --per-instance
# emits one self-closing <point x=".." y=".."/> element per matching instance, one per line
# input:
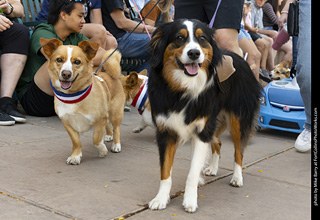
<point x="282" y="107"/>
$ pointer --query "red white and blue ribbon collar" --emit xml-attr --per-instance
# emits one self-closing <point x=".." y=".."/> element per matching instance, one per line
<point x="141" y="97"/>
<point x="73" y="97"/>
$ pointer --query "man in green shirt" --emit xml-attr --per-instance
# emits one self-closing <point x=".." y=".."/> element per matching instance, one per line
<point x="65" y="20"/>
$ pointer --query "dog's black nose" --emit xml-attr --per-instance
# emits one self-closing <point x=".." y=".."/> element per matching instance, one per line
<point x="66" y="74"/>
<point x="193" y="54"/>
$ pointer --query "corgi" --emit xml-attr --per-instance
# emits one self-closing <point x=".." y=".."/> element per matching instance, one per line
<point x="135" y="88"/>
<point x="281" y="71"/>
<point x="83" y="100"/>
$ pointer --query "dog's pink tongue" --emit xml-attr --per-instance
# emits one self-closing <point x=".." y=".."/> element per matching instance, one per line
<point x="192" y="68"/>
<point x="65" y="84"/>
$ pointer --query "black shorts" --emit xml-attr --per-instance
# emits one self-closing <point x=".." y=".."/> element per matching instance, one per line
<point x="229" y="13"/>
<point x="15" y="40"/>
<point x="254" y="36"/>
<point x="35" y="102"/>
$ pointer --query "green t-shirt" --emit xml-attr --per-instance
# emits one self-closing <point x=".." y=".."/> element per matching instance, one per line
<point x="36" y="59"/>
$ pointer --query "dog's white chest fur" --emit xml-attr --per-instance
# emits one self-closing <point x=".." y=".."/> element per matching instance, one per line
<point x="68" y="112"/>
<point x="176" y="121"/>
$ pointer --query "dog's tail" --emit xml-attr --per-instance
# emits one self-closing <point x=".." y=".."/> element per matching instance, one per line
<point x="112" y="66"/>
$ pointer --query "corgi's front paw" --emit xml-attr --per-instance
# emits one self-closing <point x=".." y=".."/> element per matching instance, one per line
<point x="116" y="148"/>
<point x="108" y="138"/>
<point x="75" y="160"/>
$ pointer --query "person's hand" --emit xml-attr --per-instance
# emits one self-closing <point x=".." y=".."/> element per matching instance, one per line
<point x="4" y="6"/>
<point x="282" y="20"/>
<point x="273" y="34"/>
<point x="5" y="23"/>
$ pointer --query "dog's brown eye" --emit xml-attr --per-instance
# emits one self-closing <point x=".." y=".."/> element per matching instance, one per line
<point x="59" y="60"/>
<point x="180" y="38"/>
<point x="77" y="62"/>
<point x="202" y="38"/>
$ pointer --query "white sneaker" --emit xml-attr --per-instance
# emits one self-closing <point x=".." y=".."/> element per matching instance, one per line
<point x="303" y="142"/>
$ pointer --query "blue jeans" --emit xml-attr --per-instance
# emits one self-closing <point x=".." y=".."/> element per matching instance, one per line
<point x="136" y="46"/>
<point x="303" y="65"/>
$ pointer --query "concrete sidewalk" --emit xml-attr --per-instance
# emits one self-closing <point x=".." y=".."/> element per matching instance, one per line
<point x="36" y="182"/>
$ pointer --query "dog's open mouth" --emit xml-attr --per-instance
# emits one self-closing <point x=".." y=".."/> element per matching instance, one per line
<point x="190" y="69"/>
<point x="67" y="84"/>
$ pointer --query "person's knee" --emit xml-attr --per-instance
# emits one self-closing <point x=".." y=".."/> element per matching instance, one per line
<point x="228" y="39"/>
<point x="111" y="42"/>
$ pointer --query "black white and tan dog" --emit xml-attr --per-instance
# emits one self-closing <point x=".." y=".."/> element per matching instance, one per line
<point x="196" y="91"/>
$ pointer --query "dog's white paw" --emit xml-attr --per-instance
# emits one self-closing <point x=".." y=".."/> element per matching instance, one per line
<point x="190" y="203"/>
<point x="236" y="181"/>
<point x="116" y="148"/>
<point x="209" y="171"/>
<point x="108" y="138"/>
<point x="102" y="149"/>
<point x="74" y="160"/>
<point x="213" y="167"/>
<point x="159" y="202"/>
<point x="137" y="130"/>
<point x="201" y="181"/>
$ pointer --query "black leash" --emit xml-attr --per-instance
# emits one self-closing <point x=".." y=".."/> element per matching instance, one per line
<point x="95" y="73"/>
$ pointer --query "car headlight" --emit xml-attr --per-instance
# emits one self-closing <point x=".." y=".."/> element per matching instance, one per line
<point x="262" y="100"/>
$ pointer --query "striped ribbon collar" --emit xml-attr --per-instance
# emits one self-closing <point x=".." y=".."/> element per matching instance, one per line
<point x="141" y="97"/>
<point x="71" y="98"/>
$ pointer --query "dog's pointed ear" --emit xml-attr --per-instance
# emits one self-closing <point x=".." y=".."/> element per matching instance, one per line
<point x="49" y="45"/>
<point x="89" y="48"/>
<point x="144" y="72"/>
<point x="225" y="69"/>
<point x="132" y="80"/>
<point x="158" y="44"/>
<point x="156" y="38"/>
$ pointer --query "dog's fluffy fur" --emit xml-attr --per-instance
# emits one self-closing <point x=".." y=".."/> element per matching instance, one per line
<point x="70" y="70"/>
<point x="190" y="100"/>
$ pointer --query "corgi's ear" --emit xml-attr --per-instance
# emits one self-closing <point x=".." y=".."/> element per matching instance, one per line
<point x="49" y="45"/>
<point x="144" y="72"/>
<point x="225" y="69"/>
<point x="288" y="74"/>
<point x="132" y="80"/>
<point x="89" y="48"/>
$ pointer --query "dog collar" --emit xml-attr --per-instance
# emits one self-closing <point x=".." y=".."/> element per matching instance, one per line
<point x="141" y="97"/>
<point x="71" y="98"/>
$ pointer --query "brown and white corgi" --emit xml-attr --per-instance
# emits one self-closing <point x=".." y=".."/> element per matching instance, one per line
<point x="82" y="99"/>
<point x="281" y="71"/>
<point x="135" y="87"/>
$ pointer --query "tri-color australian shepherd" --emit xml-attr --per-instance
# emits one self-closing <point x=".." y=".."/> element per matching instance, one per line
<point x="196" y="91"/>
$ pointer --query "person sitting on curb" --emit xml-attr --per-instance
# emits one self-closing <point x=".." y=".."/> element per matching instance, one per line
<point x="93" y="28"/>
<point x="65" y="21"/>
<point x="14" y="46"/>
<point x="135" y="46"/>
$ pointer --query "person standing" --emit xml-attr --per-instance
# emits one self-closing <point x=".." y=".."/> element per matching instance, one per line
<point x="227" y="21"/>
<point x="303" y="67"/>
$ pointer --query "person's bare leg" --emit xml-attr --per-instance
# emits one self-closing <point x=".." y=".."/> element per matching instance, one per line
<point x="42" y="79"/>
<point x="227" y="38"/>
<point x="271" y="54"/>
<point x="98" y="33"/>
<point x="254" y="55"/>
<point x="262" y="46"/>
<point x="287" y="49"/>
<point x="11" y="68"/>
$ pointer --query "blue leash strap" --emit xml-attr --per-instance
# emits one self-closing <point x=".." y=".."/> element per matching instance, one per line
<point x="214" y="15"/>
